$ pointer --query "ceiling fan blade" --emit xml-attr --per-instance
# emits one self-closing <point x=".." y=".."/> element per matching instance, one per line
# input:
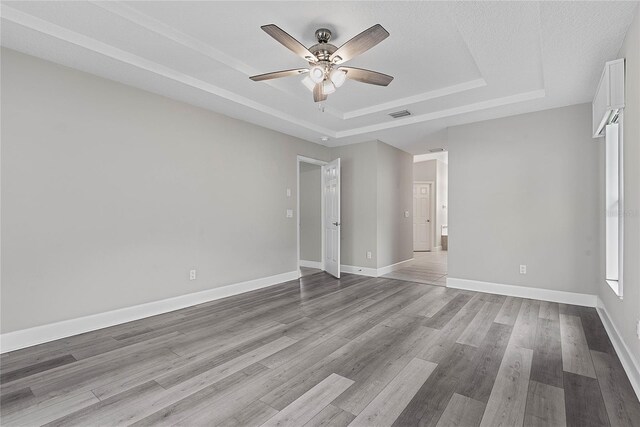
<point x="318" y="95"/>
<point x="367" y="76"/>
<point x="279" y="74"/>
<point x="359" y="44"/>
<point x="289" y="42"/>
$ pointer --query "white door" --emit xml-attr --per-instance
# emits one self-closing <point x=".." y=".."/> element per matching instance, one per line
<point x="421" y="217"/>
<point x="331" y="194"/>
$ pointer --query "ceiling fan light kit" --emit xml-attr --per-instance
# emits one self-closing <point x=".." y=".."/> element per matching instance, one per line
<point x="325" y="73"/>
<point x="327" y="87"/>
<point x="316" y="73"/>
<point x="308" y="83"/>
<point x="338" y="77"/>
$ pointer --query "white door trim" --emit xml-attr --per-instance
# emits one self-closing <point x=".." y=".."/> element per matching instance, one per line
<point x="303" y="159"/>
<point x="432" y="211"/>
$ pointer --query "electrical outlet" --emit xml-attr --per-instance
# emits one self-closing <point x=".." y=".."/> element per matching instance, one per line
<point x="368" y="254"/>
<point x="289" y="213"/>
<point x="288" y="192"/>
<point x="406" y="214"/>
<point x="192" y="275"/>
<point x="523" y="269"/>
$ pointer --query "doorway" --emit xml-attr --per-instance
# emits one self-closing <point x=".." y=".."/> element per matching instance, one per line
<point x="430" y="228"/>
<point x="310" y="218"/>
<point x="422" y="214"/>
<point x="319" y="225"/>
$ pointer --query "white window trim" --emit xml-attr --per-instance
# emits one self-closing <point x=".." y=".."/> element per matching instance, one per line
<point x="617" y="285"/>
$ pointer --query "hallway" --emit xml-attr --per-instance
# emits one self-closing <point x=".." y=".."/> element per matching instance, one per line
<point x="426" y="267"/>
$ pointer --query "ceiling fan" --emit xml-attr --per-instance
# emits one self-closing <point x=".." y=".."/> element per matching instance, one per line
<point x="325" y="72"/>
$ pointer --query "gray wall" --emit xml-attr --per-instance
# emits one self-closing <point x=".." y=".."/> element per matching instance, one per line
<point x="395" y="196"/>
<point x="527" y="189"/>
<point x="626" y="312"/>
<point x="310" y="212"/>
<point x="425" y="171"/>
<point x="376" y="190"/>
<point x="358" y="203"/>
<point x="110" y="195"/>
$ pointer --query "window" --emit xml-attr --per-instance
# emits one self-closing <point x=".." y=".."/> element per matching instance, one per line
<point x="613" y="206"/>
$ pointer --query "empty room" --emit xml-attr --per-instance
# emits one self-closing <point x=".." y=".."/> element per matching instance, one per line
<point x="320" y="213"/>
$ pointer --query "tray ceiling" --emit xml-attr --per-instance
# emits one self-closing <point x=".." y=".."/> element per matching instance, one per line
<point x="453" y="62"/>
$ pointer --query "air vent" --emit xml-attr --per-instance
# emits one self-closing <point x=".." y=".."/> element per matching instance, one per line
<point x="436" y="150"/>
<point x="398" y="114"/>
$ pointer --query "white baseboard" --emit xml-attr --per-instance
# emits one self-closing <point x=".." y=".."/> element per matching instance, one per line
<point x="53" y="331"/>
<point x="389" y="268"/>
<point x="574" y="298"/>
<point x="629" y="364"/>
<point x="372" y="272"/>
<point x="363" y="271"/>
<point x="310" y="264"/>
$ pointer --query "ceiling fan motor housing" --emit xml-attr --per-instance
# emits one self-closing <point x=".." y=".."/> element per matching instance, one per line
<point x="323" y="49"/>
<point x="323" y="35"/>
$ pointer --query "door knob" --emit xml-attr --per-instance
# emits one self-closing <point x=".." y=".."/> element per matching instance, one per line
<point x="336" y="224"/>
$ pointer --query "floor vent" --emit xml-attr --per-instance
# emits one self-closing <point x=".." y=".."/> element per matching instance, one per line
<point x="398" y="114"/>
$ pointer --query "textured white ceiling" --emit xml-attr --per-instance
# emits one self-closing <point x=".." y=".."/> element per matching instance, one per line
<point x="453" y="62"/>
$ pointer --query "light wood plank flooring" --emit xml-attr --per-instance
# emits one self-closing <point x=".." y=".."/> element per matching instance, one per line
<point x="321" y="351"/>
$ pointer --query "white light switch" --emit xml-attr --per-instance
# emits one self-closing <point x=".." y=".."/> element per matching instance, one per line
<point x="289" y="213"/>
<point x="288" y="192"/>
<point x="406" y="214"/>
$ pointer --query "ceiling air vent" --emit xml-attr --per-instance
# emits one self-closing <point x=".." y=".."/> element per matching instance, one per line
<point x="398" y="114"/>
<point x="436" y="150"/>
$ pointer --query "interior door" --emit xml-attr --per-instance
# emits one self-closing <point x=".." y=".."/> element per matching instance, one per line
<point x="421" y="217"/>
<point x="331" y="194"/>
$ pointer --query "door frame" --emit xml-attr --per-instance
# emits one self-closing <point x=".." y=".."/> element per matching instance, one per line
<point x="432" y="212"/>
<point x="303" y="159"/>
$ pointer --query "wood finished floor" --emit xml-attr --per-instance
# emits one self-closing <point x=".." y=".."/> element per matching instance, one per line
<point x="356" y="351"/>
<point x="426" y="267"/>
<point x="306" y="271"/>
